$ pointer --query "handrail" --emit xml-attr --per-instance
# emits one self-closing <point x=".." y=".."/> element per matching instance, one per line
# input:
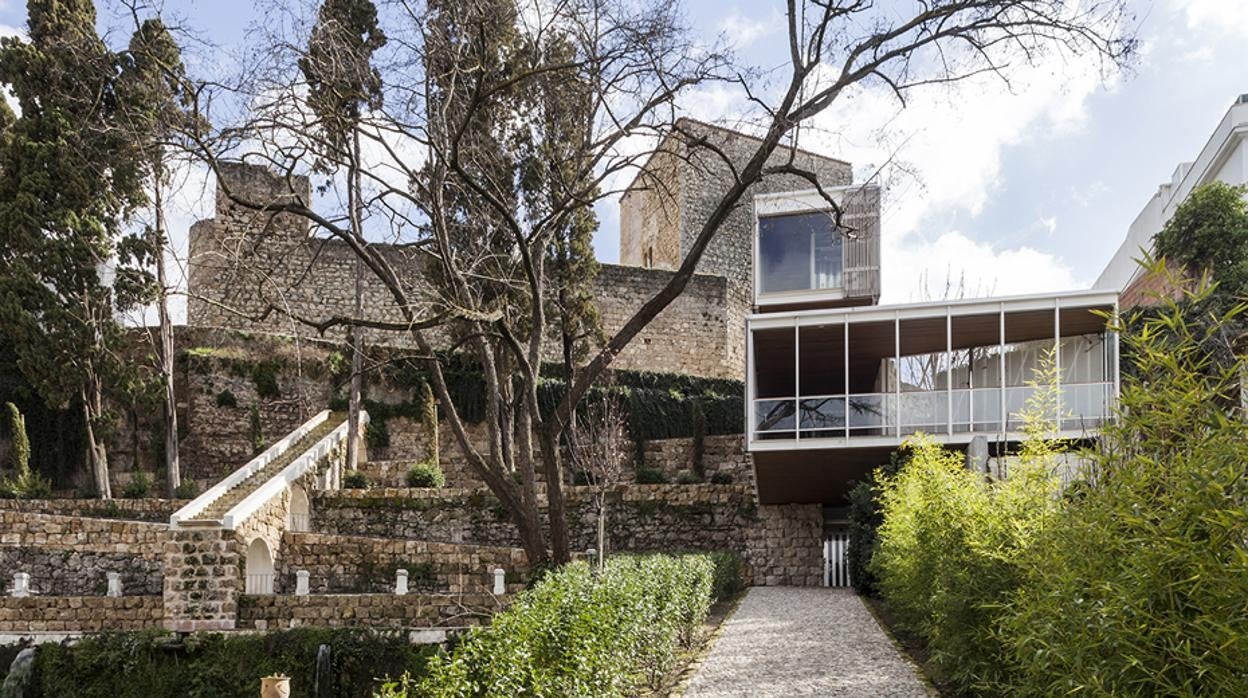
<point x="251" y="467"/>
<point x="288" y="475"/>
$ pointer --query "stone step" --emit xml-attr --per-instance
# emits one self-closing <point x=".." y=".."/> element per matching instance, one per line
<point x="214" y="512"/>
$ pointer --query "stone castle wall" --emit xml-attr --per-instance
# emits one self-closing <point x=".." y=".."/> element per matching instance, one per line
<point x="367" y="610"/>
<point x="262" y="272"/>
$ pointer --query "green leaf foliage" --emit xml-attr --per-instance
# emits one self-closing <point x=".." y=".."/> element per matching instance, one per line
<point x="144" y="664"/>
<point x="19" y="456"/>
<point x="951" y="543"/>
<point x="575" y="633"/>
<point x="1209" y="231"/>
<point x="1138" y="584"/>
<point x="425" y="474"/>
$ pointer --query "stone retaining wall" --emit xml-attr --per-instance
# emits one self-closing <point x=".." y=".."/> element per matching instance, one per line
<point x="88" y="614"/>
<point x="721" y="455"/>
<point x="70" y="556"/>
<point x="150" y="510"/>
<point x="780" y="544"/>
<point x="358" y="564"/>
<point x="367" y="610"/>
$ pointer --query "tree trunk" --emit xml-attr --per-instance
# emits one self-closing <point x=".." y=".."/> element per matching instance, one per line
<point x="357" y="348"/>
<point x="97" y="456"/>
<point x="173" y="469"/>
<point x="556" y="507"/>
<point x="602" y="530"/>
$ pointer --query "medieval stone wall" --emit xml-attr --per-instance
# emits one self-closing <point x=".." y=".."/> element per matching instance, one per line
<point x="261" y="272"/>
<point x="203" y="580"/>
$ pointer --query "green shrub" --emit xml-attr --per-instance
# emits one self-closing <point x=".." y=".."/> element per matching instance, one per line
<point x="264" y="377"/>
<point x="28" y="485"/>
<point x="728" y="580"/>
<point x="685" y="477"/>
<point x="425" y="474"/>
<point x="577" y="634"/>
<point x="1138" y="585"/>
<point x="864" y="518"/>
<point x="140" y="485"/>
<point x="187" y="489"/>
<point x="226" y="398"/>
<point x="721" y="479"/>
<point x="19" y="456"/>
<point x="651" y="476"/>
<point x="149" y="663"/>
<point x="355" y="480"/>
<point x="949" y="547"/>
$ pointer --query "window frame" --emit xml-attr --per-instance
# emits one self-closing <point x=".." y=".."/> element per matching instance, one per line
<point x="794" y="203"/>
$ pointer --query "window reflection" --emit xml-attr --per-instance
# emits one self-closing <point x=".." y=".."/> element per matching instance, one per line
<point x="798" y="253"/>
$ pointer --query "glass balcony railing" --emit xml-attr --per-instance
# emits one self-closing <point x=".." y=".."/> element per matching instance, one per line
<point x="962" y="411"/>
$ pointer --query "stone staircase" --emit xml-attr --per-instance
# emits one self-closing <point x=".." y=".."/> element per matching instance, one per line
<point x="258" y="476"/>
<point x="212" y="514"/>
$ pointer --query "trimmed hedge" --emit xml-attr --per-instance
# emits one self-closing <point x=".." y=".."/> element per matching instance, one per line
<point x="579" y="634"/>
<point x="150" y="663"/>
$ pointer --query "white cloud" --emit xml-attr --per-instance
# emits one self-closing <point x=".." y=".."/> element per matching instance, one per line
<point x="1228" y="16"/>
<point x="920" y="268"/>
<point x="941" y="157"/>
<point x="1049" y="223"/>
<point x="741" y="31"/>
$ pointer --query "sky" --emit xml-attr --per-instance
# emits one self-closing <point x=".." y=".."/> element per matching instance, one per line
<point x="1004" y="191"/>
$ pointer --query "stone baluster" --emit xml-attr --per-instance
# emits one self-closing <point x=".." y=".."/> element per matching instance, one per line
<point x="21" y="584"/>
<point x="114" y="584"/>
<point x="500" y="581"/>
<point x="301" y="582"/>
<point x="400" y="582"/>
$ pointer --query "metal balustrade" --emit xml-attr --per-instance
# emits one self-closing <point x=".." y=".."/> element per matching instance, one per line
<point x="948" y="412"/>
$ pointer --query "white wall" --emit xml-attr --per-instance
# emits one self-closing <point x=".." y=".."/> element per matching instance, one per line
<point x="1224" y="157"/>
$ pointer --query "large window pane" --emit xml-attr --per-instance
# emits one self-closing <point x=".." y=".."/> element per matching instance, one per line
<point x="798" y="253"/>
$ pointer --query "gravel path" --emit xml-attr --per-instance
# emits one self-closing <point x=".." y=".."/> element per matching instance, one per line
<point x="787" y="641"/>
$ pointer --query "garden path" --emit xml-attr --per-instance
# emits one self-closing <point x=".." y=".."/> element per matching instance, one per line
<point x="788" y="641"/>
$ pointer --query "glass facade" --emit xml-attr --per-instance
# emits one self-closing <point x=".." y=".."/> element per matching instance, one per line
<point x="881" y="378"/>
<point x="799" y="252"/>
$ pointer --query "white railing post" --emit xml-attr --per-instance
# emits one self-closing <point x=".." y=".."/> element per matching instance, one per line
<point x="301" y="582"/>
<point x="21" y="584"/>
<point x="400" y="582"/>
<point x="114" y="584"/>
<point x="500" y="581"/>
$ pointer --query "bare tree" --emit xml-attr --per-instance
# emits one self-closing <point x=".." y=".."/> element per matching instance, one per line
<point x="599" y="449"/>
<point x="468" y="255"/>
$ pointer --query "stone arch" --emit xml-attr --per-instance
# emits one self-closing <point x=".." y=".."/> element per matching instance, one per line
<point x="299" y="518"/>
<point x="259" y="568"/>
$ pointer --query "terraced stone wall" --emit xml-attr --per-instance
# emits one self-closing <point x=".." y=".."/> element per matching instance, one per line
<point x="367" y="610"/>
<point x="78" y="614"/>
<point x="71" y="556"/>
<point x="780" y="544"/>
<point x="339" y="564"/>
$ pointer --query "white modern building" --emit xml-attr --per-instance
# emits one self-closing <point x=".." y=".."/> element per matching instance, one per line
<point x="1224" y="158"/>
<point x="835" y="382"/>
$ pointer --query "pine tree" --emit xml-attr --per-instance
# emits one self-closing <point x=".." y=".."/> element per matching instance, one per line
<point x="64" y="194"/>
<point x="342" y="83"/>
<point x="153" y="101"/>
